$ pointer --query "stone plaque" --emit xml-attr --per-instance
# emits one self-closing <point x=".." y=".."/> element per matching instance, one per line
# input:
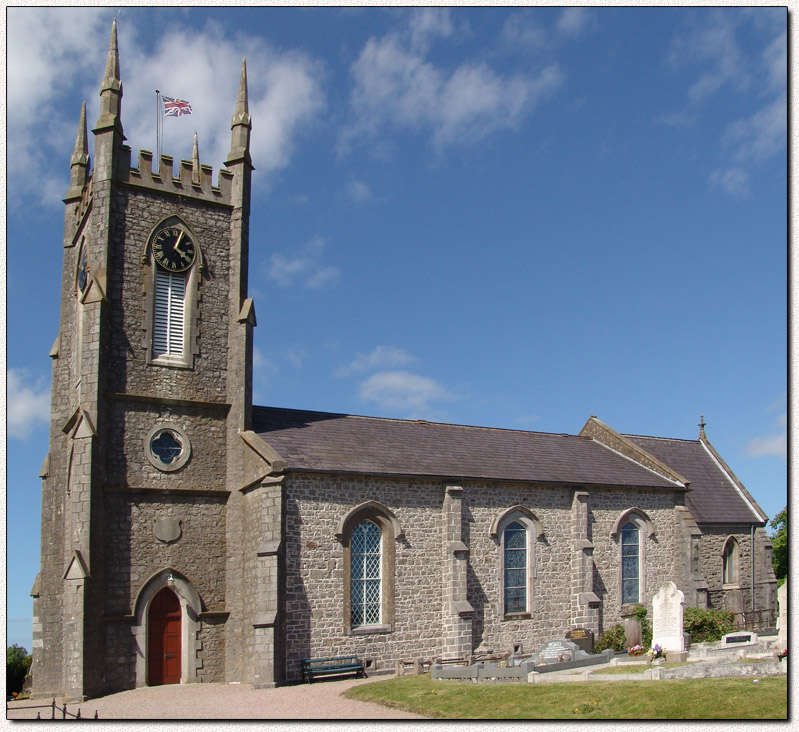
<point x="167" y="530"/>
<point x="583" y="638"/>
<point x="739" y="637"/>
<point x="557" y="651"/>
<point x="667" y="618"/>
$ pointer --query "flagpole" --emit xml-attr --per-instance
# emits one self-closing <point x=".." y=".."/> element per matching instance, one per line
<point x="157" y="129"/>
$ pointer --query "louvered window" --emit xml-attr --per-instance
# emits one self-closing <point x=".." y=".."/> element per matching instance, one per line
<point x="365" y="574"/>
<point x="169" y="323"/>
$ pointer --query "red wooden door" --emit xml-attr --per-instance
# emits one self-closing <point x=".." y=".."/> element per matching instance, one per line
<point x="163" y="639"/>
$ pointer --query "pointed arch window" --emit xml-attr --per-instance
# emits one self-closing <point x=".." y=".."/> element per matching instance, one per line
<point x="630" y="563"/>
<point x="516" y="531"/>
<point x="368" y="534"/>
<point x="175" y="262"/>
<point x="730" y="562"/>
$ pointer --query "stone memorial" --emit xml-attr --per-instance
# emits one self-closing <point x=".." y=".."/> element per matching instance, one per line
<point x="738" y="638"/>
<point x="734" y="602"/>
<point x="632" y="631"/>
<point x="667" y="618"/>
<point x="583" y="638"/>
<point x="556" y="651"/>
<point x="782" y="618"/>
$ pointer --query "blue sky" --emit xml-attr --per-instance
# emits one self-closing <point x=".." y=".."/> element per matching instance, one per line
<point x="505" y="217"/>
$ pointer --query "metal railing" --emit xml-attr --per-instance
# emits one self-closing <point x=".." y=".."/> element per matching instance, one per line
<point x="53" y="707"/>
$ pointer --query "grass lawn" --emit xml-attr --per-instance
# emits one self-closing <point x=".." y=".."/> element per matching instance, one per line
<point x="737" y="698"/>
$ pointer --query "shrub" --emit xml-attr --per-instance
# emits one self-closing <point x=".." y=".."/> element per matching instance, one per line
<point x="18" y="663"/>
<point x="646" y="626"/>
<point x="612" y="638"/>
<point x="707" y="625"/>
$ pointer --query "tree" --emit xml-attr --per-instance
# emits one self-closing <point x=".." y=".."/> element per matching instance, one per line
<point x="779" y="545"/>
<point x="18" y="663"/>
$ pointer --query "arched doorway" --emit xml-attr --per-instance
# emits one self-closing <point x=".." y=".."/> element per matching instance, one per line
<point x="164" y="639"/>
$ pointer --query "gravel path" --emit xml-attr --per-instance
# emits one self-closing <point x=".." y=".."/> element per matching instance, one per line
<point x="321" y="700"/>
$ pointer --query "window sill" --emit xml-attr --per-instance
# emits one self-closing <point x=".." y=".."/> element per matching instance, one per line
<point x="370" y="630"/>
<point x="731" y="586"/>
<point x="517" y="616"/>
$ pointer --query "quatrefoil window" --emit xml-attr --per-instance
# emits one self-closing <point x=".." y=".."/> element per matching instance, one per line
<point x="167" y="447"/>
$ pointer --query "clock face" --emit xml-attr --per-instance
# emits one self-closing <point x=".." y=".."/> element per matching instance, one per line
<point x="173" y="249"/>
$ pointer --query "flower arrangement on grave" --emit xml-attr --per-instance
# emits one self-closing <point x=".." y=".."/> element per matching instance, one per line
<point x="655" y="652"/>
<point x="636" y="650"/>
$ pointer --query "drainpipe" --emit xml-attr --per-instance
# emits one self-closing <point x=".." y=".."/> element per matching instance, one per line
<point x="752" y="560"/>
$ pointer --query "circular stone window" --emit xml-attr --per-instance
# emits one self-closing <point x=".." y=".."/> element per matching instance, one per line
<point x="167" y="447"/>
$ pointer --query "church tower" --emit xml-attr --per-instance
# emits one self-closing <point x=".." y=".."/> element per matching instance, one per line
<point x="140" y="579"/>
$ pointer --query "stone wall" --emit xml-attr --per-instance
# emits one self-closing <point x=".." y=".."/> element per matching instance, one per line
<point x="713" y="541"/>
<point x="128" y="372"/>
<point x="314" y="603"/>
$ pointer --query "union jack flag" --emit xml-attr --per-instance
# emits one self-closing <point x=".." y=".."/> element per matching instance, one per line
<point x="175" y="107"/>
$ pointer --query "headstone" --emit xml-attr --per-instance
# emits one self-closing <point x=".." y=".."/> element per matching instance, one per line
<point x="583" y="638"/>
<point x="557" y="651"/>
<point x="667" y="618"/>
<point x="734" y="602"/>
<point x="632" y="631"/>
<point x="782" y="618"/>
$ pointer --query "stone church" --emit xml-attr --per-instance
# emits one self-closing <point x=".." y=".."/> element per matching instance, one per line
<point x="190" y="536"/>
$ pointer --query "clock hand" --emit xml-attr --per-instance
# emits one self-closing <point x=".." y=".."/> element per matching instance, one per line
<point x="176" y="246"/>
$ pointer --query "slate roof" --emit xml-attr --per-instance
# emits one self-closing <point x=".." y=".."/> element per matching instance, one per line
<point x="340" y="443"/>
<point x="715" y="495"/>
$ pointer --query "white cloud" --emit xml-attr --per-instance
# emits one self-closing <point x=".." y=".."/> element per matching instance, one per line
<point x="723" y="63"/>
<point x="202" y="66"/>
<point x="403" y="391"/>
<point x="359" y="191"/>
<point x="305" y="268"/>
<point x="28" y="403"/>
<point x="734" y="181"/>
<point x="397" y="86"/>
<point x="573" y="20"/>
<point x="383" y="357"/>
<point x="776" y="443"/>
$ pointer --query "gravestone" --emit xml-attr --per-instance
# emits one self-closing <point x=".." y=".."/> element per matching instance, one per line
<point x="734" y="602"/>
<point x="632" y="631"/>
<point x="583" y="638"/>
<point x="782" y="618"/>
<point x="667" y="618"/>
<point x="557" y="651"/>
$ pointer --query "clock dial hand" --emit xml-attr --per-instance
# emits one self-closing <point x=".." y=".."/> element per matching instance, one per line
<point x="176" y="246"/>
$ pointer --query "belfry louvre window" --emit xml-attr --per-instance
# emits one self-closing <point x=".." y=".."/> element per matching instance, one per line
<point x="169" y="321"/>
<point x="365" y="564"/>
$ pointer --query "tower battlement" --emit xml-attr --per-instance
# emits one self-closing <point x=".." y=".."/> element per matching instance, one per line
<point x="192" y="180"/>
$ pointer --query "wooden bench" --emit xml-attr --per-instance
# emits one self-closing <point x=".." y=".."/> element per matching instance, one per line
<point x="312" y="667"/>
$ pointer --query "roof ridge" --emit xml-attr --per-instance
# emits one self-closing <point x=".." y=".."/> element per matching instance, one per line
<point x="419" y="421"/>
<point x="659" y="437"/>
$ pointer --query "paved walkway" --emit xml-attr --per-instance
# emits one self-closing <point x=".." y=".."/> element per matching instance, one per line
<point x="320" y="700"/>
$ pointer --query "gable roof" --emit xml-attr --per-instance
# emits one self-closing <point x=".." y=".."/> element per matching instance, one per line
<point x="716" y="495"/>
<point x="341" y="443"/>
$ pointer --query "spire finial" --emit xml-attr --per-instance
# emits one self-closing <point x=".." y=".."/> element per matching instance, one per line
<point x="242" y="107"/>
<point x="79" y="162"/>
<point x="241" y="122"/>
<point x="111" y="86"/>
<point x="112" y="62"/>
<point x="195" y="161"/>
<point x="80" y="155"/>
<point x="702" y="435"/>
